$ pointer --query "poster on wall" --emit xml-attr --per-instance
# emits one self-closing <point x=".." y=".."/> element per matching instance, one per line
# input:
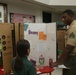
<point x="42" y="38"/>
<point x="21" y="18"/>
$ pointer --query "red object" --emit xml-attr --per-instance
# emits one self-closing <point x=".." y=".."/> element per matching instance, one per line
<point x="1" y="72"/>
<point x="46" y="69"/>
<point x="50" y="62"/>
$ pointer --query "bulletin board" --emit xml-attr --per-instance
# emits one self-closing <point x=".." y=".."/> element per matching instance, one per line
<point x="21" y="18"/>
<point x="42" y="38"/>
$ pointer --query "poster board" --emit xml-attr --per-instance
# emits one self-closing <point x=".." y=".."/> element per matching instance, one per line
<point x="42" y="38"/>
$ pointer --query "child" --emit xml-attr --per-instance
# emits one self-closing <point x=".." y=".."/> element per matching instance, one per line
<point x="21" y="65"/>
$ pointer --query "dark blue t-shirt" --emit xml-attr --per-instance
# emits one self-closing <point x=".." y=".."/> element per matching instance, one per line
<point x="28" y="67"/>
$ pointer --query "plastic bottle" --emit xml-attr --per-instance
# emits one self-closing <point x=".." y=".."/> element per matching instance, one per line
<point x="59" y="53"/>
<point x="41" y="61"/>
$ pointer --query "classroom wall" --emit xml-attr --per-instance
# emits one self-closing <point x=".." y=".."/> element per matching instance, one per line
<point x="25" y="10"/>
<point x="37" y="12"/>
<point x="56" y="17"/>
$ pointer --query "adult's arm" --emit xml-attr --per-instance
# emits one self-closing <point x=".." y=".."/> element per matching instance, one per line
<point x="64" y="55"/>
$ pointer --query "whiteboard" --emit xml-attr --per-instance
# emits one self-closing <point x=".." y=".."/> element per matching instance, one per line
<point x="42" y="38"/>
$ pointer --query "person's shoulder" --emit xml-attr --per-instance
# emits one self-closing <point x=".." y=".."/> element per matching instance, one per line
<point x="30" y="62"/>
<point x="26" y="61"/>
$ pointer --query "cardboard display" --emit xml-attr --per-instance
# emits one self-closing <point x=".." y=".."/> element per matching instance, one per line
<point x="6" y="41"/>
<point x="61" y="39"/>
<point x="9" y="35"/>
<point x="16" y="32"/>
<point x="19" y="31"/>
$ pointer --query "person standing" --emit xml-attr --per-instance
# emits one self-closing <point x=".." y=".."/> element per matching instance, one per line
<point x="20" y="64"/>
<point x="68" y="57"/>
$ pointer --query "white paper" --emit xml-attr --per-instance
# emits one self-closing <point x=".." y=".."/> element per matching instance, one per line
<point x="38" y="72"/>
<point x="62" y="66"/>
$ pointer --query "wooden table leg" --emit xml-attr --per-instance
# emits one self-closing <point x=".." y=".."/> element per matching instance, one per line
<point x="50" y="73"/>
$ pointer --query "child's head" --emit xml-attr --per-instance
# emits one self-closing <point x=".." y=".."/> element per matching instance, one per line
<point x="23" y="48"/>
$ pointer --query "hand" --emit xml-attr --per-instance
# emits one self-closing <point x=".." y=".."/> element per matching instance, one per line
<point x="55" y="64"/>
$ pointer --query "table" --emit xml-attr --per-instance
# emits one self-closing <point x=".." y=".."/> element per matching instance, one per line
<point x="46" y="69"/>
<point x="1" y="72"/>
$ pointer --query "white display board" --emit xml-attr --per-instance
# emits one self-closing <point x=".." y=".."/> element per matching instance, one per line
<point x="42" y="38"/>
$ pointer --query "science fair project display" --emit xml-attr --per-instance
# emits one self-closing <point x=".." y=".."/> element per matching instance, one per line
<point x="42" y="38"/>
<point x="6" y="52"/>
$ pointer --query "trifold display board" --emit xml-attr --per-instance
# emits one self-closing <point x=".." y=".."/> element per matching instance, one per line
<point x="42" y="37"/>
<point x="6" y="52"/>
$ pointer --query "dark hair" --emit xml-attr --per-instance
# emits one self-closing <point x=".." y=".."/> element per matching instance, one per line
<point x="69" y="12"/>
<point x="22" y="50"/>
